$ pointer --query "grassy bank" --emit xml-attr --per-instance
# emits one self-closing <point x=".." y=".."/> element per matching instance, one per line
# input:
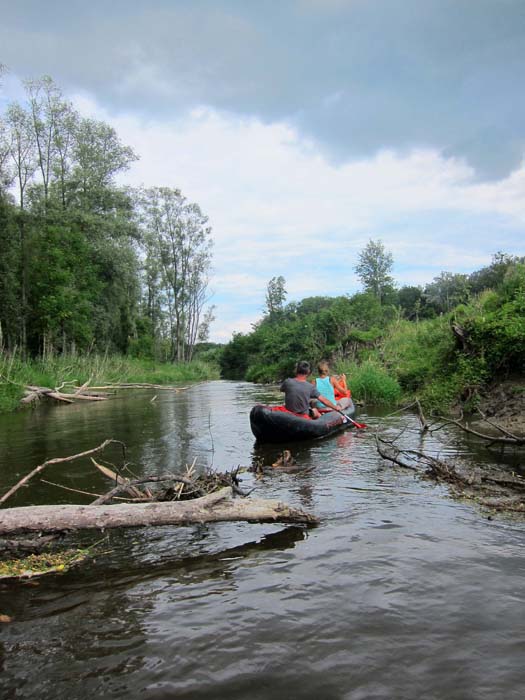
<point x="370" y="382"/>
<point x="54" y="371"/>
<point x="418" y="360"/>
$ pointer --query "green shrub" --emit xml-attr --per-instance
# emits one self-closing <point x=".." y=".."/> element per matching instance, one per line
<point x="370" y="382"/>
<point x="415" y="352"/>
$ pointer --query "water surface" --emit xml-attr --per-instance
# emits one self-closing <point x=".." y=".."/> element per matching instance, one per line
<point x="400" y="592"/>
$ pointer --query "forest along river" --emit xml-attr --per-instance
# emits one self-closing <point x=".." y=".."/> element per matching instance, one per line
<point x="400" y="592"/>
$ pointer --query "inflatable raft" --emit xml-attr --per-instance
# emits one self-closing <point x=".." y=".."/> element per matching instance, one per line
<point x="273" y="424"/>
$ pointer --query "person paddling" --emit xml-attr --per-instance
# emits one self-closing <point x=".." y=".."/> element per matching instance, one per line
<point x="298" y="393"/>
<point x="331" y="387"/>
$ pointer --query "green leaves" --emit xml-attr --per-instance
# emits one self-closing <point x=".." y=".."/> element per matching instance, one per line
<point x="373" y="269"/>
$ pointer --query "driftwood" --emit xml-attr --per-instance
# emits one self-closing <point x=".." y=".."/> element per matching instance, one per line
<point x="126" y="485"/>
<point x="85" y="392"/>
<point x="33" y="393"/>
<point x="22" y="547"/>
<point x="215" y="507"/>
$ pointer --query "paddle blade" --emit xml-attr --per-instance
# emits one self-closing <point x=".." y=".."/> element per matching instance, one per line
<point x="361" y="426"/>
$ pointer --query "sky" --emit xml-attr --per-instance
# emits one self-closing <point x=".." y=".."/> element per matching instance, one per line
<point x="304" y="128"/>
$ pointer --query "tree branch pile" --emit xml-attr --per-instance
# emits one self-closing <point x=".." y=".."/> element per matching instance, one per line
<point x="166" y="499"/>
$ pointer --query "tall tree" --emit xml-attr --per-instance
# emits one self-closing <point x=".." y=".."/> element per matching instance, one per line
<point x="48" y="112"/>
<point x="275" y="296"/>
<point x="9" y="276"/>
<point x="22" y="151"/>
<point x="6" y="175"/>
<point x="177" y="235"/>
<point x="98" y="156"/>
<point x="374" y="267"/>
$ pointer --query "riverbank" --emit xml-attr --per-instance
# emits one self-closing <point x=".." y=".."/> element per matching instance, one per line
<point x="504" y="404"/>
<point x="15" y="373"/>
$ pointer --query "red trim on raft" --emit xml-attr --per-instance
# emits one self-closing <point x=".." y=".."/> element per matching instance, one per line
<point x="283" y="409"/>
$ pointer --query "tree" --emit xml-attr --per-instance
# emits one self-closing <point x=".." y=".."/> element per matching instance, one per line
<point x="6" y="175"/>
<point x="50" y="122"/>
<point x="72" y="266"/>
<point x="178" y="250"/>
<point x="22" y="151"/>
<point x="447" y="290"/>
<point x="275" y="296"/>
<point x="373" y="269"/>
<point x="9" y="277"/>
<point x="98" y="155"/>
<point x="204" y="326"/>
<point x="492" y="277"/>
<point x="411" y="300"/>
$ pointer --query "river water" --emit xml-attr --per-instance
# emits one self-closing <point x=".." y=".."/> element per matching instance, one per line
<point x="400" y="592"/>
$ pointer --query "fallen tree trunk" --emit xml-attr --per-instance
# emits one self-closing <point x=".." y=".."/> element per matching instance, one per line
<point x="59" y="395"/>
<point x="215" y="507"/>
<point x="142" y="385"/>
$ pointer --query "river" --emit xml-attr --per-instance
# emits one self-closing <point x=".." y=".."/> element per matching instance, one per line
<point x="400" y="592"/>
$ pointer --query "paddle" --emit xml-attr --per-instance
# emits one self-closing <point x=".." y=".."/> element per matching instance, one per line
<point x="351" y="420"/>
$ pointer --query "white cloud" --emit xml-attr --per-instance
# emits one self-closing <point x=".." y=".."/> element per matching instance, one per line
<point x="277" y="206"/>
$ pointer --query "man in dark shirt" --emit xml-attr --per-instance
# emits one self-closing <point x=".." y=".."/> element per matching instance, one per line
<point x="298" y="393"/>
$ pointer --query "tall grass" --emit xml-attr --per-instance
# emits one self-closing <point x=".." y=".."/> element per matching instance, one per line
<point x="424" y="361"/>
<point x="371" y="383"/>
<point x="97" y="369"/>
<point x="415" y="353"/>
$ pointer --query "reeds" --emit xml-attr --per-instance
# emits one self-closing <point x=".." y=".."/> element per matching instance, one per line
<point x="55" y="370"/>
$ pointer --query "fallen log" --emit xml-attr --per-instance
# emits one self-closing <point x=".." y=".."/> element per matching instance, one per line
<point x="30" y="397"/>
<point x="49" y="393"/>
<point x="219" y="506"/>
<point x="142" y="385"/>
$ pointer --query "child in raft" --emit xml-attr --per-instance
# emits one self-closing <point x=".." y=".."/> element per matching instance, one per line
<point x="332" y="387"/>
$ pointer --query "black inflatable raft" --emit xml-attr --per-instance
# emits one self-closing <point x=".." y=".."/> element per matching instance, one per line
<point x="278" y="426"/>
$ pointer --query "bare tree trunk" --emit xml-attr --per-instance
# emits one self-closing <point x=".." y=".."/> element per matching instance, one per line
<point x="215" y="507"/>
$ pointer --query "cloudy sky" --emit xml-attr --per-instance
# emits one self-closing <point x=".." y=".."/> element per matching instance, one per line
<point x="304" y="128"/>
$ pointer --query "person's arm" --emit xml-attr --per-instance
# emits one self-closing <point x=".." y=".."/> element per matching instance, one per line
<point x="341" y="388"/>
<point x="328" y="403"/>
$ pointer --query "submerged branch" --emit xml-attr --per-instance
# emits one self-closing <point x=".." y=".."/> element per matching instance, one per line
<point x="59" y="460"/>
<point x="509" y="439"/>
<point x="490" y="487"/>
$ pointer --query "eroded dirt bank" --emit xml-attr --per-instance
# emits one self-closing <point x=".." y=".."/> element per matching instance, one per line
<point x="504" y="404"/>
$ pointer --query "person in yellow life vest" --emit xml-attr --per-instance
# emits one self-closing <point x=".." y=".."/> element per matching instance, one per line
<point x="332" y="387"/>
